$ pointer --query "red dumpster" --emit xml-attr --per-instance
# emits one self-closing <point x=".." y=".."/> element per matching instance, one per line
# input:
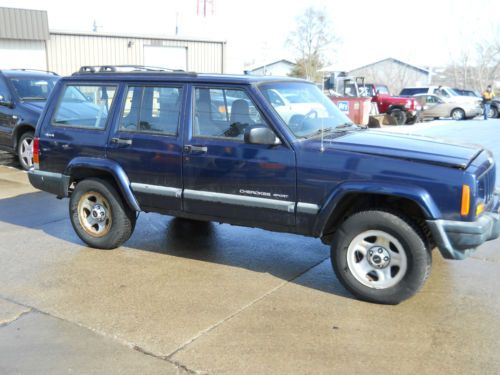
<point x="357" y="109"/>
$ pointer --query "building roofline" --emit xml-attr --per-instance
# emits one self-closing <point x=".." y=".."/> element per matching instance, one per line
<point x="134" y="36"/>
<point x="393" y="59"/>
<point x="273" y="63"/>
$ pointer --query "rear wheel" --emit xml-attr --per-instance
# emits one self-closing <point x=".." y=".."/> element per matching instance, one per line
<point x="99" y="216"/>
<point x="399" y="116"/>
<point x="380" y="256"/>
<point x="458" y="114"/>
<point x="25" y="150"/>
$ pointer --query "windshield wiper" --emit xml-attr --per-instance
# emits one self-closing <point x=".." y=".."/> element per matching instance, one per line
<point x="347" y="125"/>
<point x="33" y="98"/>
<point x="318" y="132"/>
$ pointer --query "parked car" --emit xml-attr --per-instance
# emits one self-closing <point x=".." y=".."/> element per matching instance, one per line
<point x="495" y="103"/>
<point x="23" y="94"/>
<point x="434" y="106"/>
<point x="381" y="201"/>
<point x="442" y="91"/>
<point x="404" y="109"/>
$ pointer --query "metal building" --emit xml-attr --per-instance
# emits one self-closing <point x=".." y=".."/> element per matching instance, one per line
<point x="26" y="42"/>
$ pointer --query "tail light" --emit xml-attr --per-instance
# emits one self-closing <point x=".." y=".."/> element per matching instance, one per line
<point x="36" y="153"/>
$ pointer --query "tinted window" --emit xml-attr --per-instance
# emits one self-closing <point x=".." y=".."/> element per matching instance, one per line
<point x="3" y="90"/>
<point x="414" y="91"/>
<point x="223" y="113"/>
<point x="84" y="106"/>
<point x="152" y="109"/>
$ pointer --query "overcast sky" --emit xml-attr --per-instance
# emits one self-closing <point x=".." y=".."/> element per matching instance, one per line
<point x="422" y="32"/>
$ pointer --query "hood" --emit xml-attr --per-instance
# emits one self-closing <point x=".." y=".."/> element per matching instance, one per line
<point x="462" y="99"/>
<point x="35" y="106"/>
<point x="406" y="147"/>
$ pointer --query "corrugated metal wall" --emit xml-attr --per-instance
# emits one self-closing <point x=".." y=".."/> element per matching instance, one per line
<point x="66" y="52"/>
<point x="23" y="24"/>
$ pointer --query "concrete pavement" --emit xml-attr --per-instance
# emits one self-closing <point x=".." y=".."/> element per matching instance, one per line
<point x="217" y="299"/>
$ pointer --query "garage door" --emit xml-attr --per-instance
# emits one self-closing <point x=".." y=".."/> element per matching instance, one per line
<point x="26" y="54"/>
<point x="166" y="57"/>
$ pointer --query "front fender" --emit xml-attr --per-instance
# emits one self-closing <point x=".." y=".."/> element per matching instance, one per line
<point x="414" y="193"/>
<point x="111" y="167"/>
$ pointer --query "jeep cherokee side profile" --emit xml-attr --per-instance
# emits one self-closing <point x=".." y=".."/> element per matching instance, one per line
<point x="213" y="148"/>
<point x="23" y="94"/>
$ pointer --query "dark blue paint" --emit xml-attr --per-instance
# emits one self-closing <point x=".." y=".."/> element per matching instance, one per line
<point x="426" y="171"/>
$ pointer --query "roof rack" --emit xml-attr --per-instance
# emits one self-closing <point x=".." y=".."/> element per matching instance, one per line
<point x="90" y="69"/>
<point x="35" y="70"/>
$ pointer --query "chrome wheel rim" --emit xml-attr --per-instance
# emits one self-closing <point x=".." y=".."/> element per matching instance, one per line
<point x="457" y="115"/>
<point x="377" y="259"/>
<point x="94" y="214"/>
<point x="26" y="152"/>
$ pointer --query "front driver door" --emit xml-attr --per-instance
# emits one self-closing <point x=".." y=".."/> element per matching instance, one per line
<point x="224" y="177"/>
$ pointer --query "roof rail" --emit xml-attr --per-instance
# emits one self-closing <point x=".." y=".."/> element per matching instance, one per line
<point x="35" y="70"/>
<point x="89" y="69"/>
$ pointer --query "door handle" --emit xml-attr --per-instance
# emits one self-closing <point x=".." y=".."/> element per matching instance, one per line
<point x="121" y="141"/>
<point x="195" y="149"/>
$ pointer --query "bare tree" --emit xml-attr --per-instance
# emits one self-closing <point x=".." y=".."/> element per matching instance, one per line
<point x="310" y="40"/>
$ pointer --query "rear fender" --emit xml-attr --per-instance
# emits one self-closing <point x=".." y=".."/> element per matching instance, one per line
<point x="111" y="168"/>
<point x="416" y="194"/>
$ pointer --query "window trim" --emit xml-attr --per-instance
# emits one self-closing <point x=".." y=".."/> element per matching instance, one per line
<point x="224" y="87"/>
<point x="96" y="84"/>
<point x="181" y="87"/>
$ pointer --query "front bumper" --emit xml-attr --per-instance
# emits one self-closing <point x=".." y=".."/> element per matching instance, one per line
<point x="459" y="239"/>
<point x="473" y="112"/>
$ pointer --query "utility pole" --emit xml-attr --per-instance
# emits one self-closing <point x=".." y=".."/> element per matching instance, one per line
<point x="205" y="7"/>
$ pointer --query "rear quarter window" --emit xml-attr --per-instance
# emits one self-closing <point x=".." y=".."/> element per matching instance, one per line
<point x="84" y="106"/>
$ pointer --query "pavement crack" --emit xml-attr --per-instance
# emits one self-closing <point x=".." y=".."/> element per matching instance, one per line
<point x="6" y="322"/>
<point x="179" y="365"/>
<point x="248" y="305"/>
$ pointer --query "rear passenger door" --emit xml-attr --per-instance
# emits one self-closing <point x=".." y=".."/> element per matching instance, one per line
<point x="146" y="143"/>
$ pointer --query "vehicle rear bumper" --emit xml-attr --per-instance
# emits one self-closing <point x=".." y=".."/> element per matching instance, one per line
<point x="459" y="239"/>
<point x="51" y="182"/>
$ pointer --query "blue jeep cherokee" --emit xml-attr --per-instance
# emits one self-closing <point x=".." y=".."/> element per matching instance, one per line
<point x="23" y="94"/>
<point x="263" y="152"/>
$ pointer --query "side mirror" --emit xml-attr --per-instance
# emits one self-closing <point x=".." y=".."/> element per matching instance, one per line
<point x="5" y="103"/>
<point x="261" y="136"/>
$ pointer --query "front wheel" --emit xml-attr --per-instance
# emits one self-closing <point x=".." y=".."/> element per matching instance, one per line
<point x="399" y="116"/>
<point x="25" y="150"/>
<point x="493" y="112"/>
<point x="380" y="257"/>
<point x="99" y="216"/>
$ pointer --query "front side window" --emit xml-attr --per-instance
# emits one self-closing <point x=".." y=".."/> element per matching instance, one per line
<point x="84" y="106"/>
<point x="152" y="109"/>
<point x="307" y="111"/>
<point x="224" y="113"/>
<point x="33" y="88"/>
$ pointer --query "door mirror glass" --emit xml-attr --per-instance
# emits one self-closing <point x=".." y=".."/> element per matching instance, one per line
<point x="261" y="136"/>
<point x="5" y="102"/>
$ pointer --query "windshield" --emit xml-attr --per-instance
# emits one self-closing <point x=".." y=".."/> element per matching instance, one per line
<point x="304" y="108"/>
<point x="33" y="88"/>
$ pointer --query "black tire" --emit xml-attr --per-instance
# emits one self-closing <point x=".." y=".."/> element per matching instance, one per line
<point x="409" y="238"/>
<point x="457" y="114"/>
<point x="399" y="116"/>
<point x="25" y="150"/>
<point x="493" y="113"/>
<point x="101" y="196"/>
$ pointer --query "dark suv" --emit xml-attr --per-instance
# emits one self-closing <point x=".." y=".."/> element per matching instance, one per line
<point x="216" y="148"/>
<point x="23" y="94"/>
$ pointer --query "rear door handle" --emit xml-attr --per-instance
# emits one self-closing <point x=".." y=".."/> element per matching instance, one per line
<point x="121" y="141"/>
<point x="195" y="149"/>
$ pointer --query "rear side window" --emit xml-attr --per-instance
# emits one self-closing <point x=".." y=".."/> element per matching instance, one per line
<point x="413" y="91"/>
<point x="150" y="109"/>
<point x="84" y="106"/>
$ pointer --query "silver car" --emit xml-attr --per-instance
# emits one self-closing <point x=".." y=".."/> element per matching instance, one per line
<point x="434" y="106"/>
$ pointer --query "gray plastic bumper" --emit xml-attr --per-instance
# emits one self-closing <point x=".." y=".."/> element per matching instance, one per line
<point x="458" y="239"/>
<point x="55" y="183"/>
